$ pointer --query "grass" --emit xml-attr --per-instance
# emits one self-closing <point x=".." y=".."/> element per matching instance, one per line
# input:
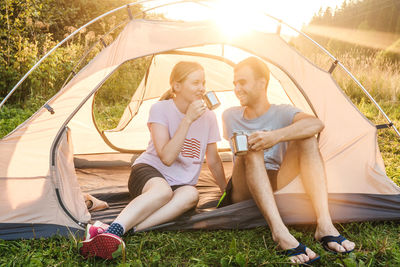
<point x="255" y="247"/>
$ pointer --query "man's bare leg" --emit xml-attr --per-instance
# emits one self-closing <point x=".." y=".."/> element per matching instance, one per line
<point x="250" y="179"/>
<point x="305" y="155"/>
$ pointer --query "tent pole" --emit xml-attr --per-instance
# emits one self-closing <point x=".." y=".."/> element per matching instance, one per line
<point x="113" y="29"/>
<point x="345" y="69"/>
<point x="84" y="26"/>
<point x="370" y="98"/>
<point x="73" y="71"/>
<point x="62" y="42"/>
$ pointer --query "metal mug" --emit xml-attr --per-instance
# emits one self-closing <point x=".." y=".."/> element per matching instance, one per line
<point x="211" y="100"/>
<point x="240" y="145"/>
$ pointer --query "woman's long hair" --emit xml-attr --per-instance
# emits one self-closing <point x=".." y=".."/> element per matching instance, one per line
<point x="178" y="74"/>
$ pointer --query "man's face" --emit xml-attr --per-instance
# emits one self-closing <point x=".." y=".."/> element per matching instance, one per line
<point x="248" y="89"/>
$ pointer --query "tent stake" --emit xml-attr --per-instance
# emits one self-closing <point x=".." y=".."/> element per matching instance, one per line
<point x="278" y="29"/>
<point x="129" y="12"/>
<point x="384" y="126"/>
<point x="102" y="41"/>
<point x="49" y="108"/>
<point x="333" y="66"/>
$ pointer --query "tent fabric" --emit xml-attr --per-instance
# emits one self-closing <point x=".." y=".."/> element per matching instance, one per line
<point x="34" y="199"/>
<point x="110" y="184"/>
<point x="13" y="231"/>
<point x="47" y="191"/>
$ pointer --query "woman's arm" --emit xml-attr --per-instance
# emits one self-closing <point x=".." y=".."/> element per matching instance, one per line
<point x="168" y="148"/>
<point x="215" y="165"/>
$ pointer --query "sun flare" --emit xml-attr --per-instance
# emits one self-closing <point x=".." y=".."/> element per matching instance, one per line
<point x="236" y="18"/>
<point x="233" y="17"/>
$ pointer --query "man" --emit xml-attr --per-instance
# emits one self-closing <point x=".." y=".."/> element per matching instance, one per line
<point x="282" y="144"/>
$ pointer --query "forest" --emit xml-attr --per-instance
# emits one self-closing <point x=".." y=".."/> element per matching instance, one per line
<point x="378" y="15"/>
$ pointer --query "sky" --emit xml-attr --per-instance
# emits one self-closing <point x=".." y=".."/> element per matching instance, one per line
<point x="294" y="12"/>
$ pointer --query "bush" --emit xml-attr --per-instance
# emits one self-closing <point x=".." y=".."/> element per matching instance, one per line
<point x="11" y="117"/>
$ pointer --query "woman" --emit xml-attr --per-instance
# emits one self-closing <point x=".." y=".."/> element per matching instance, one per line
<point x="163" y="178"/>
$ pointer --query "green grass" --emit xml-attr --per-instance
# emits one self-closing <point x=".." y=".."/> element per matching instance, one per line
<point x="377" y="245"/>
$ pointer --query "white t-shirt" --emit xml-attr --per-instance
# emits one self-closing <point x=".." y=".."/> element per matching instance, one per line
<point x="203" y="131"/>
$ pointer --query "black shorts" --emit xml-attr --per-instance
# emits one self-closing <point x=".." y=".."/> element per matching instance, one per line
<point x="226" y="198"/>
<point x="140" y="174"/>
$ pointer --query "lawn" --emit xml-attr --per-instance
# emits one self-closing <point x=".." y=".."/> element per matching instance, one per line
<point x="377" y="245"/>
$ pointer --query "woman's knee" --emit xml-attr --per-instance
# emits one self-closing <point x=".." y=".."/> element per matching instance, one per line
<point x="191" y="196"/>
<point x="160" y="188"/>
<point x="165" y="194"/>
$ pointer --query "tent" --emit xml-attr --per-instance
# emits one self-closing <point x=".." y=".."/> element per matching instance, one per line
<point x="58" y="153"/>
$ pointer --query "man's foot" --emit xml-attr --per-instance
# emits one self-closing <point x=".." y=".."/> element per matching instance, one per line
<point x="326" y="240"/>
<point x="94" y="229"/>
<point x="106" y="246"/>
<point x="332" y="241"/>
<point x="297" y="252"/>
<point x="300" y="250"/>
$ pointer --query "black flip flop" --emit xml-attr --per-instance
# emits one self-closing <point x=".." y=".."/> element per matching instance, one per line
<point x="300" y="249"/>
<point x="330" y="238"/>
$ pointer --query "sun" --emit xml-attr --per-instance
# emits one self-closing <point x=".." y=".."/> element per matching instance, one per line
<point x="236" y="18"/>
<point x="233" y="17"/>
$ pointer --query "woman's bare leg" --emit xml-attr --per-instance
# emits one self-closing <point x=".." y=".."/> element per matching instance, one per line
<point x="155" y="194"/>
<point x="184" y="198"/>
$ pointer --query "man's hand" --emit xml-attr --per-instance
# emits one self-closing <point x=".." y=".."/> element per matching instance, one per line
<point x="262" y="140"/>
<point x="195" y="110"/>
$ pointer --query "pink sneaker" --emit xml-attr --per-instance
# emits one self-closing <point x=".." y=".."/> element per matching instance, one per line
<point x="94" y="229"/>
<point x="105" y="245"/>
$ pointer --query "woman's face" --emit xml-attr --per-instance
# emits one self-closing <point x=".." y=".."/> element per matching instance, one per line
<point x="192" y="88"/>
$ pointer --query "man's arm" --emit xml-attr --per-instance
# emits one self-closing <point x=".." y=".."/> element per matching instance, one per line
<point x="303" y="126"/>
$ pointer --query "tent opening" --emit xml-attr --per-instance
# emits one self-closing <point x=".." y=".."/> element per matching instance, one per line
<point x="104" y="174"/>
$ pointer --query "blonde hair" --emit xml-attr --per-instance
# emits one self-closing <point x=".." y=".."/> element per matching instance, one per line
<point x="178" y="74"/>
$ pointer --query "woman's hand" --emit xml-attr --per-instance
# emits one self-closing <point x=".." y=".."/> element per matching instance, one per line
<point x="195" y="110"/>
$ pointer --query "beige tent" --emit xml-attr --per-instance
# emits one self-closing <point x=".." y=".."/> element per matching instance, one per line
<point x="42" y="186"/>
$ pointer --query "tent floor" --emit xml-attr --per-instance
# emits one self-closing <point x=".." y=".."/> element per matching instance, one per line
<point x="109" y="183"/>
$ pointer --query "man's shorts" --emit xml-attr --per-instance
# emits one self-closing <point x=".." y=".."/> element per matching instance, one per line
<point x="140" y="174"/>
<point x="226" y="198"/>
